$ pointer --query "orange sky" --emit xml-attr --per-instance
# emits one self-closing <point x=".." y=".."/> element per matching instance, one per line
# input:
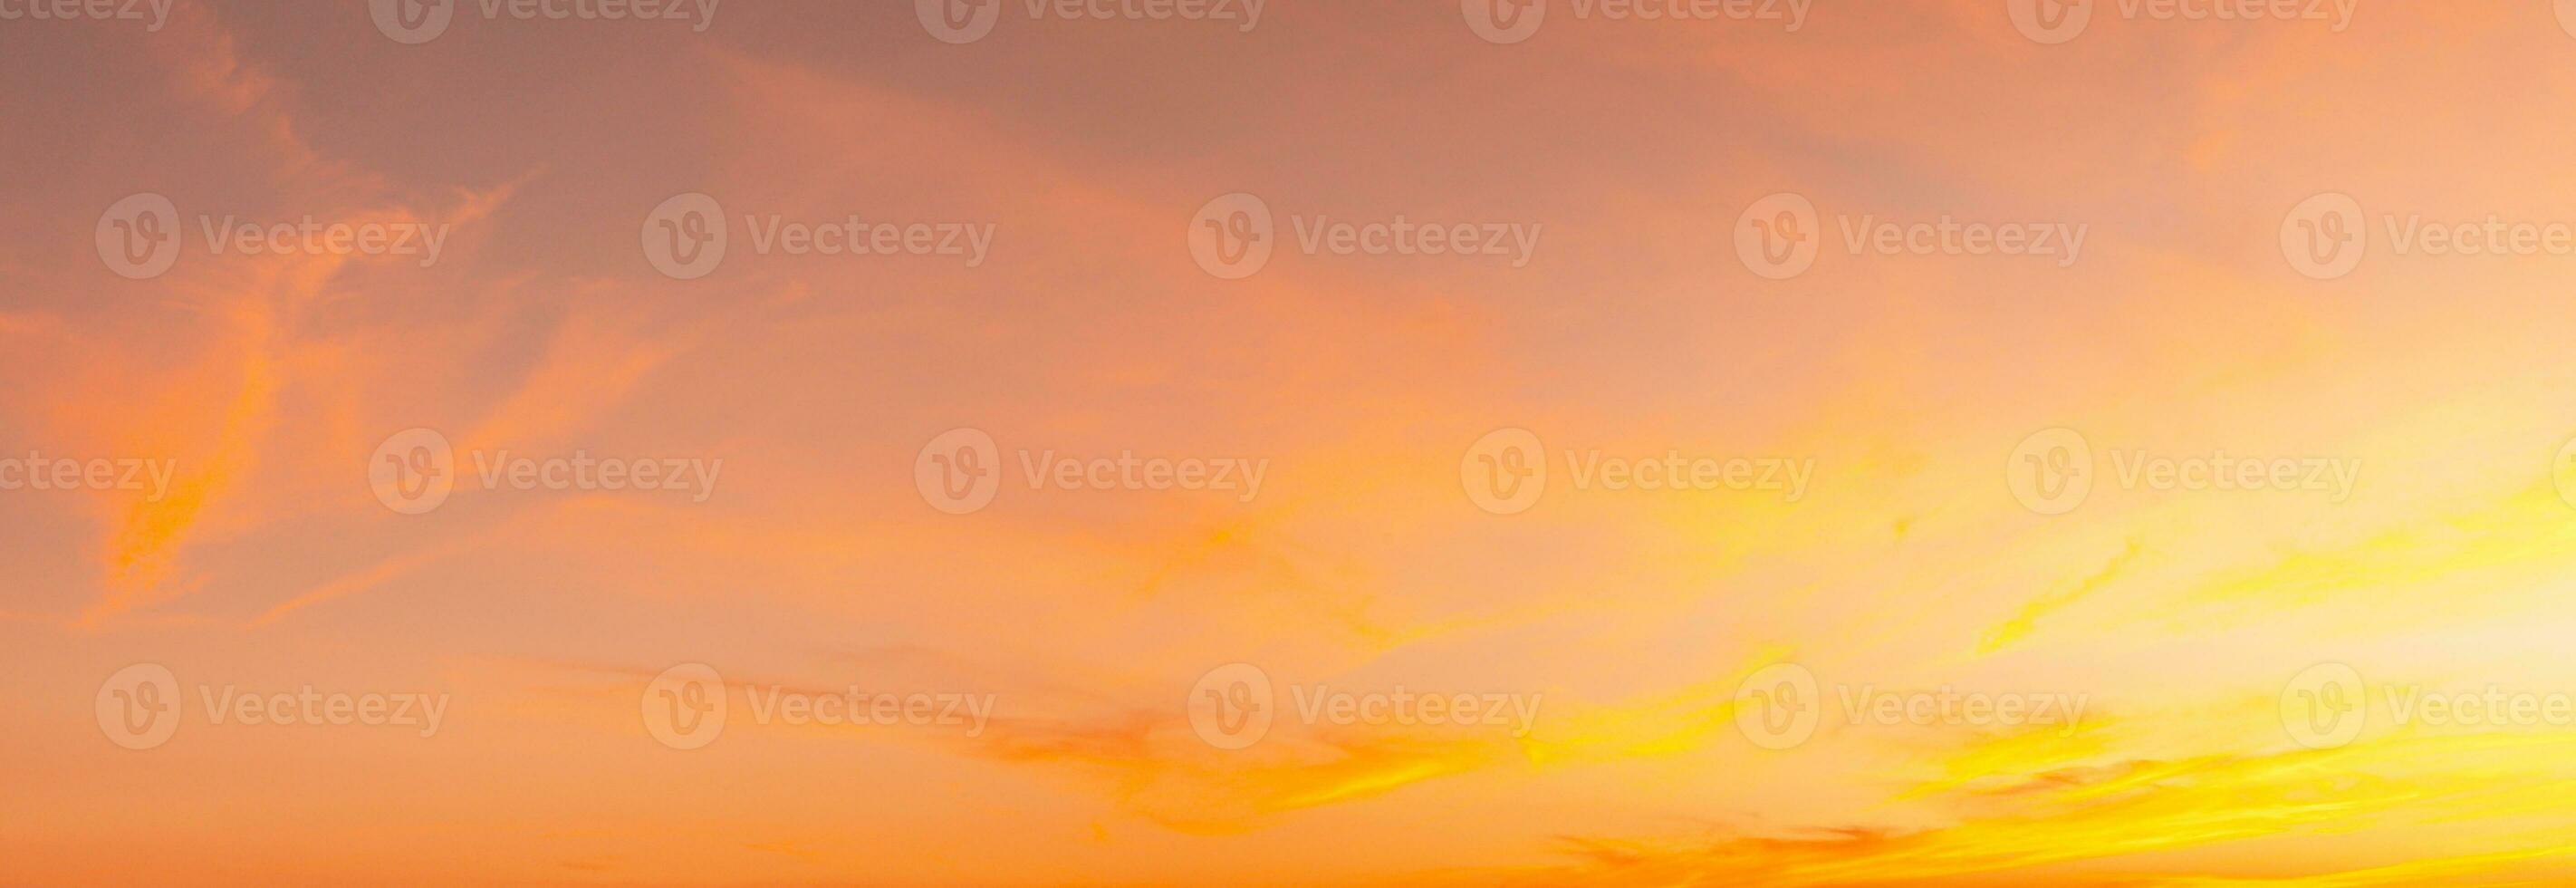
<point x="1047" y="530"/>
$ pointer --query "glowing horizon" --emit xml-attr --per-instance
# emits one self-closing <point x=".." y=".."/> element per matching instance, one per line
<point x="1776" y="443"/>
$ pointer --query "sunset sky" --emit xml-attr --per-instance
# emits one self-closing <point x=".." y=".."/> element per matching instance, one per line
<point x="1158" y="426"/>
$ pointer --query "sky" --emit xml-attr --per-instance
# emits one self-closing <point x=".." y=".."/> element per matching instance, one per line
<point x="1505" y="442"/>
